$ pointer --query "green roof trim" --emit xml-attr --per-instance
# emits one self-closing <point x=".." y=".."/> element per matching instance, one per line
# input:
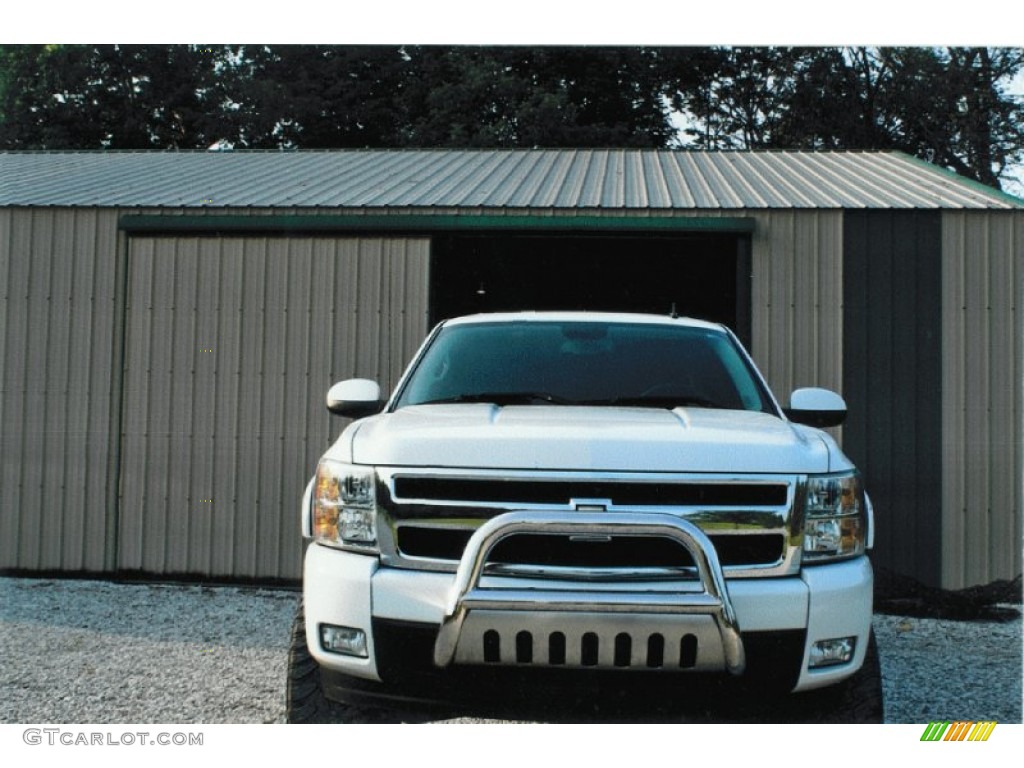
<point x="188" y="224"/>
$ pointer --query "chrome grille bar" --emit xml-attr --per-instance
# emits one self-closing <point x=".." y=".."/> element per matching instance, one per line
<point x="430" y="534"/>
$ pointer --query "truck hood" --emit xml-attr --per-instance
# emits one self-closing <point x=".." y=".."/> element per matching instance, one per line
<point x="585" y="438"/>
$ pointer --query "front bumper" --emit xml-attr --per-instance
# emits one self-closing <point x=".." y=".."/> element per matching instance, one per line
<point x="411" y="680"/>
<point x="593" y="627"/>
<point x="402" y="613"/>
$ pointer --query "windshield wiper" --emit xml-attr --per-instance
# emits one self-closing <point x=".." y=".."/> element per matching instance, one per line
<point x="501" y="398"/>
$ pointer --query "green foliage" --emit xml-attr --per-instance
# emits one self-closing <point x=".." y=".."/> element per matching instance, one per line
<point x="946" y="105"/>
<point x="117" y="97"/>
<point x="314" y="96"/>
<point x="533" y="97"/>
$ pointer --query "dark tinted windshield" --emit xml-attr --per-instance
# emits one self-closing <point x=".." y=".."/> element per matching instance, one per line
<point x="584" y="363"/>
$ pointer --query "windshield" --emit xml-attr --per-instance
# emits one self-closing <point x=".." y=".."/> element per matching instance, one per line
<point x="584" y="363"/>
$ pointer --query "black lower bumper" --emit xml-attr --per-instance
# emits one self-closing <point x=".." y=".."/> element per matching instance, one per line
<point x="404" y="654"/>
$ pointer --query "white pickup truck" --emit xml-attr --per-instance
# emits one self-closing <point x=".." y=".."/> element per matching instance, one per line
<point x="584" y="510"/>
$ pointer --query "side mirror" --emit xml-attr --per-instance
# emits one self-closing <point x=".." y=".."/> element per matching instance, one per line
<point x="354" y="398"/>
<point x="816" y="408"/>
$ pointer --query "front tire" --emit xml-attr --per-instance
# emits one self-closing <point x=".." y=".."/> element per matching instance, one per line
<point x="304" y="697"/>
<point x="305" y="701"/>
<point x="858" y="699"/>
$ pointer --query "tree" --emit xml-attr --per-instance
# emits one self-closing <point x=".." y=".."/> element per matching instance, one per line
<point x="837" y="102"/>
<point x="739" y="97"/>
<point x="956" y="112"/>
<point x="948" y="106"/>
<point x="314" y="96"/>
<point x="461" y="97"/>
<point x="117" y="97"/>
<point x="534" y="97"/>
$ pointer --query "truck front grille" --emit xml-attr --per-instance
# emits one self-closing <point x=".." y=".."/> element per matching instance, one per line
<point x="427" y="516"/>
<point x="617" y="552"/>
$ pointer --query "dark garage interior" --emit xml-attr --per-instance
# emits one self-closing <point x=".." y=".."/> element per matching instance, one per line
<point x="705" y="276"/>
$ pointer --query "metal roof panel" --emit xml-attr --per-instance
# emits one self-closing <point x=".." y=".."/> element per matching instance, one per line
<point x="619" y="179"/>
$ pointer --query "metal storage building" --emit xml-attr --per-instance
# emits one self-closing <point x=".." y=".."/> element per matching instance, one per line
<point x="171" y="321"/>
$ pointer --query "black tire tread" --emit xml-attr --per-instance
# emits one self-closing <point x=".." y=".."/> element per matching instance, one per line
<point x="304" y="698"/>
<point x="858" y="699"/>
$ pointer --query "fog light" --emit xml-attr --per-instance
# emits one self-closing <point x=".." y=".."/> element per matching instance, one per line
<point x="346" y="640"/>
<point x="827" y="653"/>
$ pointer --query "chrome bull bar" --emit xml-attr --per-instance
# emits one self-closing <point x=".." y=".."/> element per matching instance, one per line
<point x="710" y="598"/>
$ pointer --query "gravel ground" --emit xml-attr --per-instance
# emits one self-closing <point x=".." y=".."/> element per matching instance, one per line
<point x="101" y="652"/>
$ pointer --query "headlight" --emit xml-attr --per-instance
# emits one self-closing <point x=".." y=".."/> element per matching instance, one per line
<point x="835" y="518"/>
<point x="345" y="505"/>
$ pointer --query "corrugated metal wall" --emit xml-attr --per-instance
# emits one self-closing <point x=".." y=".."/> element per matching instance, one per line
<point x="892" y="357"/>
<point x="58" y="399"/>
<point x="216" y="445"/>
<point x="982" y="382"/>
<point x="231" y="346"/>
<point x="797" y="299"/>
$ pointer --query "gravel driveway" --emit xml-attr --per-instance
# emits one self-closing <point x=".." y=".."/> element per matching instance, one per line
<point x="100" y="652"/>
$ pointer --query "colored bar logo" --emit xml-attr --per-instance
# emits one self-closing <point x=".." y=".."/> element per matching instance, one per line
<point x="958" y="731"/>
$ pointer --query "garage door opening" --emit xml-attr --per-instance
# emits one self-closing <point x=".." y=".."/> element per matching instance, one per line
<point x="705" y="276"/>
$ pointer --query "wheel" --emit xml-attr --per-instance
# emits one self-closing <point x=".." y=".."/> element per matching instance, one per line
<point x="305" y="701"/>
<point x="304" y="698"/>
<point x="858" y="699"/>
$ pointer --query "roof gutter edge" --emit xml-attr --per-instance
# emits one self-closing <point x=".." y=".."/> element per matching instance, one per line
<point x="186" y="224"/>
